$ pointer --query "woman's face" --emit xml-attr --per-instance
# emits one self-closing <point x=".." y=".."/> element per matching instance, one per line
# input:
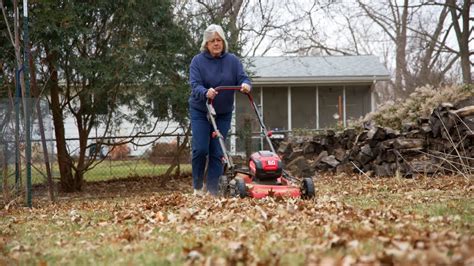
<point x="215" y="45"/>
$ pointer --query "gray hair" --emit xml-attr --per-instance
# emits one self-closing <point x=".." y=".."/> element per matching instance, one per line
<point x="208" y="34"/>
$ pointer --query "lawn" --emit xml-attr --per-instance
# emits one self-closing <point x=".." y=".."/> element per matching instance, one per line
<point x="157" y="221"/>
<point x="106" y="170"/>
<point x="123" y="169"/>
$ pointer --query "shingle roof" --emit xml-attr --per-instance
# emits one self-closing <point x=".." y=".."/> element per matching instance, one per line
<point x="317" y="69"/>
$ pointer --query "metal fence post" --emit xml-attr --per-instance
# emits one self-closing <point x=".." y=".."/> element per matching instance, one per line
<point x="17" y="133"/>
<point x="178" y="171"/>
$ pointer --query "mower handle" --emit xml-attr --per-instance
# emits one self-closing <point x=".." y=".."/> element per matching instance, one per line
<point x="230" y="88"/>
<point x="266" y="132"/>
<point x="216" y="134"/>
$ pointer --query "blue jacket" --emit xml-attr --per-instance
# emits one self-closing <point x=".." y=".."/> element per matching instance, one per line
<point x="209" y="72"/>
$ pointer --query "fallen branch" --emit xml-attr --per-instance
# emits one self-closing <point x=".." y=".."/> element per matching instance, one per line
<point x="362" y="172"/>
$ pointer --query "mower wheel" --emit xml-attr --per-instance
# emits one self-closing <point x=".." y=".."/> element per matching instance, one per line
<point x="241" y="189"/>
<point x="307" y="188"/>
<point x="223" y="186"/>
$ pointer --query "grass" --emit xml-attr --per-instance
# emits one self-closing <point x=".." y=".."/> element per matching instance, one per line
<point x="428" y="203"/>
<point x="150" y="221"/>
<point x="123" y="169"/>
<point x="461" y="210"/>
<point x="106" y="170"/>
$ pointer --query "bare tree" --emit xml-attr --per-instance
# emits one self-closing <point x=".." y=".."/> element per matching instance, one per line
<point x="434" y="44"/>
<point x="254" y="27"/>
<point x="463" y="33"/>
<point x="416" y="37"/>
<point x="224" y="12"/>
<point x="394" y="24"/>
<point x="312" y="34"/>
<point x="267" y="26"/>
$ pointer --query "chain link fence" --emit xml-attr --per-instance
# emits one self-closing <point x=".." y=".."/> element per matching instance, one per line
<point x="107" y="157"/>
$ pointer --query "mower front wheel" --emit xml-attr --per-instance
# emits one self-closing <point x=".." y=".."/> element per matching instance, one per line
<point x="307" y="188"/>
<point x="223" y="186"/>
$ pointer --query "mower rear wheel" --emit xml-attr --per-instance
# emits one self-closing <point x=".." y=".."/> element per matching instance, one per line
<point x="223" y="186"/>
<point x="240" y="188"/>
<point x="307" y="188"/>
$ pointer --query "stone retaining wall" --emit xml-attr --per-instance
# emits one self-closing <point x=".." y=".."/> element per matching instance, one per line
<point x="440" y="144"/>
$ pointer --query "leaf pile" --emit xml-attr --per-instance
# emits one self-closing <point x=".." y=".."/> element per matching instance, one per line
<point x="352" y="220"/>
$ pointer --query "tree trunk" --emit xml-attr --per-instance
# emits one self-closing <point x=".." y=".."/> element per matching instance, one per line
<point x="178" y="152"/>
<point x="231" y="10"/>
<point x="78" y="180"/>
<point x="81" y="164"/>
<point x="426" y="74"/>
<point x="64" y="161"/>
<point x="464" y="44"/>
<point x="401" y="43"/>
<point x="462" y="36"/>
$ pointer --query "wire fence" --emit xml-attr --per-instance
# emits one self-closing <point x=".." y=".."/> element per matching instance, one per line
<point x="104" y="157"/>
<point x="111" y="157"/>
<point x="107" y="157"/>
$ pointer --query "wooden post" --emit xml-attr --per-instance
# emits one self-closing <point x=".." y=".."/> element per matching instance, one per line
<point x="339" y="105"/>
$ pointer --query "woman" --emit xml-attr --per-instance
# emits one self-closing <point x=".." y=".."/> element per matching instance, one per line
<point x="213" y="67"/>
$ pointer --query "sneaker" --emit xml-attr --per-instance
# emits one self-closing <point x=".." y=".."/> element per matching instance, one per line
<point x="198" y="192"/>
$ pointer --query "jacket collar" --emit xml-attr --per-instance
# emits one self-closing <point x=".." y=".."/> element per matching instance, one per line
<point x="209" y="56"/>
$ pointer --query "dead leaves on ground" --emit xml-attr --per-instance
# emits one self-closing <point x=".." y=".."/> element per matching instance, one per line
<point x="335" y="229"/>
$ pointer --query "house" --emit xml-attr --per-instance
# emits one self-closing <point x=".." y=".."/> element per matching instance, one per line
<point x="313" y="92"/>
<point x="292" y="92"/>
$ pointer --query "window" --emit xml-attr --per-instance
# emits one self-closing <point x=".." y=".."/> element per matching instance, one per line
<point x="357" y="101"/>
<point x="330" y="106"/>
<point x="303" y="105"/>
<point x="275" y="107"/>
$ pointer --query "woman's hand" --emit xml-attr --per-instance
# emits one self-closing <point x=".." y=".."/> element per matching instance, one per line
<point x="245" y="88"/>
<point x="211" y="93"/>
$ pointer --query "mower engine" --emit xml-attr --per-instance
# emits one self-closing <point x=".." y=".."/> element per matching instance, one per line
<point x="265" y="166"/>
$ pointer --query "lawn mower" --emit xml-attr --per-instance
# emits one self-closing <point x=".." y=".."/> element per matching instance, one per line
<point x="264" y="176"/>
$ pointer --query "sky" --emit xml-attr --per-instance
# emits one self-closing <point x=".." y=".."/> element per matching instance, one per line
<point x="331" y="27"/>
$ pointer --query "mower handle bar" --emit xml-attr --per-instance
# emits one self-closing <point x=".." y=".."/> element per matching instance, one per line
<point x="254" y="106"/>
<point x="230" y="88"/>
<point x="226" y="88"/>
